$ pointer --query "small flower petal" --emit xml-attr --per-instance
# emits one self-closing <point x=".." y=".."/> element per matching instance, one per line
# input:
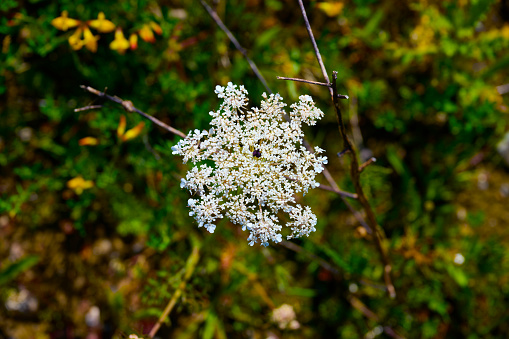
<point x="120" y="43"/>
<point x="101" y="24"/>
<point x="63" y="22"/>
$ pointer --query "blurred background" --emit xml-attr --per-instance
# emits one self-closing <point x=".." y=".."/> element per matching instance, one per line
<point x="94" y="228"/>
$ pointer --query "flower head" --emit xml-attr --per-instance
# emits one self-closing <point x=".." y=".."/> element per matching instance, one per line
<point x="63" y="22"/>
<point x="101" y="24"/>
<point x="120" y="44"/>
<point x="259" y="164"/>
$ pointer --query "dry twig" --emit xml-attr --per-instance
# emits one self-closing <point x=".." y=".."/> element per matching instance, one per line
<point x="355" y="169"/>
<point x="129" y="107"/>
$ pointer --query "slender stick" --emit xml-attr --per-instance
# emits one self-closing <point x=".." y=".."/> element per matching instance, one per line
<point x="129" y="107"/>
<point x="315" y="46"/>
<point x="232" y="38"/>
<point x="355" y="171"/>
<point x="306" y="81"/>
<point x="340" y="96"/>
<point x="191" y="263"/>
<point x="367" y="163"/>
<point x="343" y="193"/>
<point x="354" y="166"/>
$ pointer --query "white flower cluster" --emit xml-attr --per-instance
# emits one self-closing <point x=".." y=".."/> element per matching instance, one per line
<point x="251" y="163"/>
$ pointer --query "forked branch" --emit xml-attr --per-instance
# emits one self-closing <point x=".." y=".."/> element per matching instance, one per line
<point x="355" y="169"/>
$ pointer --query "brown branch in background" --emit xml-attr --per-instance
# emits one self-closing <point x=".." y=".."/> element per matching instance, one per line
<point x="355" y="172"/>
<point x="306" y="81"/>
<point x="86" y="108"/>
<point x="315" y="46"/>
<point x="340" y="96"/>
<point x="354" y="166"/>
<point x="191" y="263"/>
<point x="343" y="193"/>
<point x="232" y="38"/>
<point x="366" y="164"/>
<point x="129" y="107"/>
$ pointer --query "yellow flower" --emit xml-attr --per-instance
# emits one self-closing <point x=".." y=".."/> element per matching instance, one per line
<point x="133" y="41"/>
<point x="146" y="34"/>
<point x="130" y="134"/>
<point x="156" y="28"/>
<point x="101" y="24"/>
<point x="133" y="132"/>
<point x="89" y="40"/>
<point x="75" y="39"/>
<point x="147" y="31"/>
<point x="63" y="22"/>
<point x="78" y="184"/>
<point x="88" y="141"/>
<point x="120" y="44"/>
<point x="121" y="126"/>
<point x="332" y="9"/>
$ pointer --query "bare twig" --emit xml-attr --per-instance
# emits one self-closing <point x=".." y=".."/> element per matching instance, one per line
<point x="340" y="96"/>
<point x="306" y="81"/>
<point x="232" y="38"/>
<point x="354" y="166"/>
<point x="315" y="46"/>
<point x="129" y="107"/>
<point x="343" y="193"/>
<point x="86" y="108"/>
<point x="355" y="172"/>
<point x="366" y="164"/>
<point x="191" y="263"/>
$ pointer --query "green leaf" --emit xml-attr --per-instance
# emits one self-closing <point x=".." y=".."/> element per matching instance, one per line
<point x="16" y="268"/>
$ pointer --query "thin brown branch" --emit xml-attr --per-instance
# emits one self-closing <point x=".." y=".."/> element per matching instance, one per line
<point x="315" y="46"/>
<point x="86" y="108"/>
<point x="232" y="38"/>
<point x="306" y="81"/>
<point x="129" y="107"/>
<point x="191" y="263"/>
<point x="354" y="166"/>
<point x="355" y="174"/>
<point x="366" y="164"/>
<point x="340" y="96"/>
<point x="337" y="191"/>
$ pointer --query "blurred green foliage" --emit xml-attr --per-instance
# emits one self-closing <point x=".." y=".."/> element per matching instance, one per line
<point x="103" y="222"/>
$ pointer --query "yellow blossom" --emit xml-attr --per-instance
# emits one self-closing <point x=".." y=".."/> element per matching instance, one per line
<point x="89" y="40"/>
<point x="146" y="34"/>
<point x="121" y="126"/>
<point x="120" y="44"/>
<point x="133" y="41"/>
<point x="133" y="132"/>
<point x="130" y="134"/>
<point x="101" y="24"/>
<point x="75" y="39"/>
<point x="156" y="28"/>
<point x="331" y="9"/>
<point x="63" y="22"/>
<point x="88" y="141"/>
<point x="78" y="184"/>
